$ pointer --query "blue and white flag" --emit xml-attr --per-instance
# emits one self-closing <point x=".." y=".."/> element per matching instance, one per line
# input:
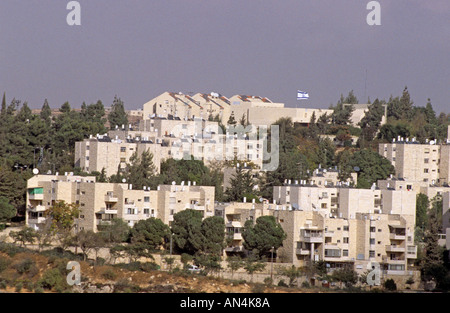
<point x="302" y="95"/>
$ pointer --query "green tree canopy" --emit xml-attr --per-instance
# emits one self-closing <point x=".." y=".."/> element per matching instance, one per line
<point x="213" y="231"/>
<point x="372" y="167"/>
<point x="117" y="116"/>
<point x="7" y="211"/>
<point x="151" y="232"/>
<point x="187" y="231"/>
<point x="263" y="235"/>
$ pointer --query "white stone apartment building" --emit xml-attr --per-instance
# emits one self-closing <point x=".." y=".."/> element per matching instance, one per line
<point x="357" y="242"/>
<point x="257" y="110"/>
<point x="102" y="151"/>
<point x="348" y="226"/>
<point x="428" y="163"/>
<point x="99" y="203"/>
<point x="235" y="214"/>
<point x="186" y="106"/>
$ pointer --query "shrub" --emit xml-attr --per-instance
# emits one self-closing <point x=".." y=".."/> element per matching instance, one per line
<point x="281" y="283"/>
<point x="149" y="266"/>
<point x="268" y="281"/>
<point x="186" y="258"/>
<point x="11" y="249"/>
<point x="109" y="274"/>
<point x="38" y="288"/>
<point x="24" y="265"/>
<point x="53" y="279"/>
<point x="305" y="284"/>
<point x="125" y="286"/>
<point x="4" y="263"/>
<point x="19" y="287"/>
<point x="28" y="285"/>
<point x="3" y="284"/>
<point x="258" y="288"/>
<point x="390" y="285"/>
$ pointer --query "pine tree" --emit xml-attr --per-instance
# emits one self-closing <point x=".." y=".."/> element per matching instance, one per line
<point x="241" y="185"/>
<point x="117" y="116"/>
<point x="141" y="171"/>
<point x="3" y="110"/>
<point x="46" y="113"/>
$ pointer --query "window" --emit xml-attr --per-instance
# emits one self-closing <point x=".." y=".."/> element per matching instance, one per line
<point x="345" y="239"/>
<point x="425" y="170"/>
<point x="147" y="211"/>
<point x="123" y="149"/>
<point x="372" y="241"/>
<point x="372" y="229"/>
<point x="324" y="206"/>
<point x="332" y="253"/>
<point x="345" y="228"/>
<point x="344" y="252"/>
<point x="371" y="254"/>
<point x="426" y="160"/>
<point x="146" y="199"/>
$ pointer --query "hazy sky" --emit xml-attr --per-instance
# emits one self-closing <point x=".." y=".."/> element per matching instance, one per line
<point x="138" y="49"/>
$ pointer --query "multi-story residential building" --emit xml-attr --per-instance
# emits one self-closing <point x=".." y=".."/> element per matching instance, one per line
<point x="415" y="162"/>
<point x="235" y="215"/>
<point x="186" y="106"/>
<point x="343" y="225"/>
<point x="354" y="242"/>
<point x="99" y="203"/>
<point x="322" y="177"/>
<point x="345" y="202"/>
<point x="257" y="110"/>
<point x="103" y="152"/>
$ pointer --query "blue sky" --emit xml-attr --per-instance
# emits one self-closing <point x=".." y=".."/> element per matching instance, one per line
<point x="138" y="49"/>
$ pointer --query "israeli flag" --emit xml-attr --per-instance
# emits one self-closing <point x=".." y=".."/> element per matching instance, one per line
<point x="302" y="95"/>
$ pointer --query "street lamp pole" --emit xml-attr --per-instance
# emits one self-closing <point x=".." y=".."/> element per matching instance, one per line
<point x="171" y="234"/>
<point x="271" y="266"/>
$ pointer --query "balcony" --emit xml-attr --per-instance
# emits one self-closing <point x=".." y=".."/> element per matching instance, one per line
<point x="37" y="220"/>
<point x="107" y="211"/>
<point x="237" y="236"/>
<point x="36" y="196"/>
<point x="37" y="208"/>
<point x="395" y="236"/>
<point x="36" y="193"/>
<point x="394" y="261"/>
<point x="395" y="248"/>
<point x="131" y="217"/>
<point x="411" y="252"/>
<point x="302" y="251"/>
<point x="111" y="198"/>
<point x="311" y="237"/>
<point x="234" y="249"/>
<point x="103" y="222"/>
<point x="235" y="224"/>
<point x="197" y="207"/>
